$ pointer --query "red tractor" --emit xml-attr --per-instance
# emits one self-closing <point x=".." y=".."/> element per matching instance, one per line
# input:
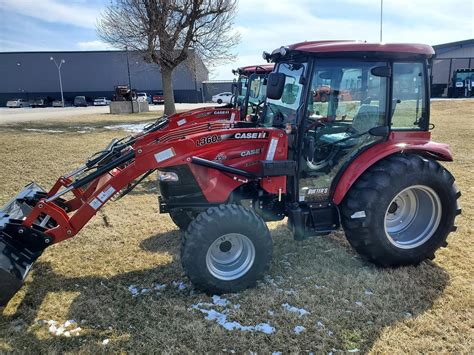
<point x="250" y="75"/>
<point x="367" y="165"/>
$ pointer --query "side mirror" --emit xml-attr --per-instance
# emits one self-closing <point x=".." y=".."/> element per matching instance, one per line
<point x="275" y="85"/>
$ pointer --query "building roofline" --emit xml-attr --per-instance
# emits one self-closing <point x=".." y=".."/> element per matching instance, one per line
<point x="451" y="44"/>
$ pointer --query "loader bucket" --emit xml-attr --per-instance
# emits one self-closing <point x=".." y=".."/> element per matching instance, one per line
<point x="20" y="246"/>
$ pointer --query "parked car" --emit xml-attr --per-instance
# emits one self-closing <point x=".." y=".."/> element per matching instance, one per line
<point x="223" y="97"/>
<point x="143" y="97"/>
<point x="40" y="103"/>
<point x="158" y="98"/>
<point x="57" y="103"/>
<point x="80" y="101"/>
<point x="101" y="101"/>
<point x="14" y="103"/>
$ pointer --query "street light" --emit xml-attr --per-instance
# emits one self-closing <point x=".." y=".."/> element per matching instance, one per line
<point x="59" y="72"/>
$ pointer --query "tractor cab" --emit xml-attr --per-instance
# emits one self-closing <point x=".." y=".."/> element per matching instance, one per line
<point x="250" y="90"/>
<point x="337" y="100"/>
<point x="462" y="84"/>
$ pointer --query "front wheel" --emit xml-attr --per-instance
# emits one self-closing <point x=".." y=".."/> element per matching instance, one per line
<point x="219" y="101"/>
<point x="401" y="210"/>
<point x="226" y="249"/>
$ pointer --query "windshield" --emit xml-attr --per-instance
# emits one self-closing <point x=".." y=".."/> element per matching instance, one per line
<point x="282" y="111"/>
<point x="257" y="88"/>
<point x="461" y="76"/>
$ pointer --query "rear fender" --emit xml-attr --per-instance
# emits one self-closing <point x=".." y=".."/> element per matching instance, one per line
<point x="419" y="143"/>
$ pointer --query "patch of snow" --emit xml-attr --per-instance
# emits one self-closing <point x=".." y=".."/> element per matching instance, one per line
<point x="318" y="287"/>
<point x="408" y="315"/>
<point x="133" y="290"/>
<point x="298" y="329"/>
<point x="221" y="317"/>
<point x="330" y="333"/>
<point x="180" y="285"/>
<point x="69" y="322"/>
<point x="359" y="303"/>
<point x="276" y="353"/>
<point x="57" y="329"/>
<point x="293" y="309"/>
<point x="320" y="325"/>
<point x="132" y="127"/>
<point x="105" y="342"/>
<point x="159" y="287"/>
<point x="43" y="130"/>
<point x="237" y="306"/>
<point x="368" y="292"/>
<point x="270" y="313"/>
<point x="353" y="350"/>
<point x="75" y="330"/>
<point x="144" y="291"/>
<point x="218" y="301"/>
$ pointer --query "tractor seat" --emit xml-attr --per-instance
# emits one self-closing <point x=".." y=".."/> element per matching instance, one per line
<point x="366" y="118"/>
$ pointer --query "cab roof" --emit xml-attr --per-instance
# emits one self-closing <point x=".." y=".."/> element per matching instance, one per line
<point x="358" y="48"/>
<point x="259" y="69"/>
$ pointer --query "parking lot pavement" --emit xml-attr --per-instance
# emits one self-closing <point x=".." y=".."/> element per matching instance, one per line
<point x="12" y="115"/>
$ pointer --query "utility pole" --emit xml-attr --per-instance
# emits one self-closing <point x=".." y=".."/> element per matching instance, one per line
<point x="60" y="80"/>
<point x="129" y="79"/>
<point x="381" y="17"/>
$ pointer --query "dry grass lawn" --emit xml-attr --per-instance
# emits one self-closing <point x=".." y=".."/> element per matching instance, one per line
<point x="352" y="304"/>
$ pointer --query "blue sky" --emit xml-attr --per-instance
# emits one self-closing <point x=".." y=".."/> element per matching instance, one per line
<point x="40" y="25"/>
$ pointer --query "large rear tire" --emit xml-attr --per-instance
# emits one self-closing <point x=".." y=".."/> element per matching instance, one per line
<point x="401" y="210"/>
<point x="226" y="249"/>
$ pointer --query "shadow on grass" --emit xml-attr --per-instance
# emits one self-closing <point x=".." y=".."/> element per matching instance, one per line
<point x="107" y="302"/>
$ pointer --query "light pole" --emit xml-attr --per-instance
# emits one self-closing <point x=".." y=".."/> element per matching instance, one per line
<point x="59" y="72"/>
<point x="381" y="19"/>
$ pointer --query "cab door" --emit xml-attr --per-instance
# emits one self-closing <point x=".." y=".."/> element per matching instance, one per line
<point x="347" y="99"/>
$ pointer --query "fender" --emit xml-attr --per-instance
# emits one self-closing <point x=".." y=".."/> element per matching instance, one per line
<point x="397" y="142"/>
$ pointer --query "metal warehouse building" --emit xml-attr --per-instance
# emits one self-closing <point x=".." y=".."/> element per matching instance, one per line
<point x="93" y="74"/>
<point x="448" y="58"/>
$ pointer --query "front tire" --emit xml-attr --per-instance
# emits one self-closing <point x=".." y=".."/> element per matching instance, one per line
<point x="401" y="210"/>
<point x="226" y="249"/>
<point x="219" y="101"/>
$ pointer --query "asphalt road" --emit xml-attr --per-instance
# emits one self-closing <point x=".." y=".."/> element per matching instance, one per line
<point x="12" y="115"/>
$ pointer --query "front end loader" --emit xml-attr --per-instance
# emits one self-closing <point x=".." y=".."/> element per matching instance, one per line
<point x="362" y="160"/>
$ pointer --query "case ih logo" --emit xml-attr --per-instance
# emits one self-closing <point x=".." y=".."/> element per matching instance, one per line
<point x="250" y="135"/>
<point x="247" y="153"/>
<point x="221" y="112"/>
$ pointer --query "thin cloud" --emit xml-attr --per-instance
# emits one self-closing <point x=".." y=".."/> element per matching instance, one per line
<point x="93" y="45"/>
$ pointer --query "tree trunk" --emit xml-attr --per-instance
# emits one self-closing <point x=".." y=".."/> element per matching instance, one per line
<point x="168" y="93"/>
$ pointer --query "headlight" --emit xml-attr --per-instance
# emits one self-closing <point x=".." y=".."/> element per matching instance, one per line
<point x="166" y="176"/>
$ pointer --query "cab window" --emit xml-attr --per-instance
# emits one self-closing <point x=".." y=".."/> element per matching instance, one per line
<point x="408" y="106"/>
<point x="346" y="100"/>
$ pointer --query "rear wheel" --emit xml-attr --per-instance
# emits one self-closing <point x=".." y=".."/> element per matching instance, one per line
<point x="401" y="210"/>
<point x="226" y="249"/>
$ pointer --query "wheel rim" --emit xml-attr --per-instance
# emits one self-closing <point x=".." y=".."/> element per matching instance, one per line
<point x="413" y="216"/>
<point x="230" y="256"/>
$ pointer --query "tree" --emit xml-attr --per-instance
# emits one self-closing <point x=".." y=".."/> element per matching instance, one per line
<point x="168" y="32"/>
